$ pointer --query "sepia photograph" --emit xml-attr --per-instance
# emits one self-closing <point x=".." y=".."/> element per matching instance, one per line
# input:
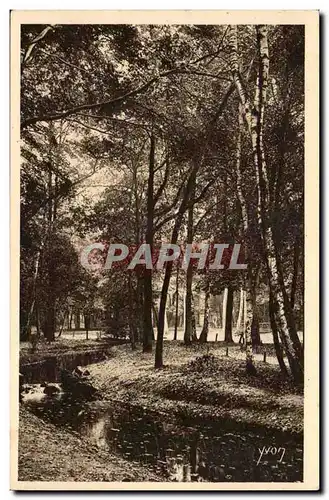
<point x="164" y="243"/>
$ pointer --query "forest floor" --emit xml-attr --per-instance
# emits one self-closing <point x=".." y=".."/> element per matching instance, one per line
<point x="51" y="453"/>
<point x="216" y="388"/>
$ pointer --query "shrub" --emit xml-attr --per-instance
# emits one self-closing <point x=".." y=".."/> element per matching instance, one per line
<point x="206" y="363"/>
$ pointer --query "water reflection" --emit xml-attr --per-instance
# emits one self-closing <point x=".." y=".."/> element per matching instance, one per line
<point x="176" y="452"/>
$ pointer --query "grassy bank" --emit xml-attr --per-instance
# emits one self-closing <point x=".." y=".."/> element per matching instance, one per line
<point x="58" y="348"/>
<point x="214" y="388"/>
<point x="50" y="453"/>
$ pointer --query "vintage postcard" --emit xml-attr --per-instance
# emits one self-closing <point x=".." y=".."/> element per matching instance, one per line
<point x="164" y="250"/>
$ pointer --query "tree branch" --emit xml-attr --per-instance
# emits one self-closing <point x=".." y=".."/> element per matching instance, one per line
<point x="164" y="182"/>
<point x="83" y="107"/>
<point x="37" y="39"/>
<point x="65" y="62"/>
<point x="203" y="193"/>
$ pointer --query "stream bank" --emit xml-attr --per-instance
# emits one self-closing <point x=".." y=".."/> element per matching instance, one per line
<point x="45" y="362"/>
<point x="205" y="382"/>
<point x="200" y="418"/>
<point x="43" y="447"/>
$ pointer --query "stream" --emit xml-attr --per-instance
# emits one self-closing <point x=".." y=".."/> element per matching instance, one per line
<point x="174" y="450"/>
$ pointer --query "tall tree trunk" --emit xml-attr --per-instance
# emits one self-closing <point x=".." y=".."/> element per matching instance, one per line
<point x="244" y="313"/>
<point x="297" y="246"/>
<point x="37" y="318"/>
<point x="148" y="333"/>
<point x="194" y="335"/>
<point x="155" y="313"/>
<point x="87" y="324"/>
<point x="176" y="303"/>
<point x="188" y="306"/>
<point x="188" y="333"/>
<point x="50" y="320"/>
<point x="77" y="319"/>
<point x="229" y="311"/>
<point x="132" y="322"/>
<point x="166" y="328"/>
<point x="61" y="328"/>
<point x="140" y="308"/>
<point x="239" y="319"/>
<point x="250" y="281"/>
<point x="70" y="320"/>
<point x="205" y="329"/>
<point x="255" y="333"/>
<point x="254" y="118"/>
<point x="276" y="341"/>
<point x="138" y="292"/>
<point x="166" y="280"/>
<point x="250" y="367"/>
<point x="288" y="308"/>
<point x="224" y="310"/>
<point x="275" y="192"/>
<point x="34" y="288"/>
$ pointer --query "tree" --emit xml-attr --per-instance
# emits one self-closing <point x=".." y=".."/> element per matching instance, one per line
<point x="254" y="119"/>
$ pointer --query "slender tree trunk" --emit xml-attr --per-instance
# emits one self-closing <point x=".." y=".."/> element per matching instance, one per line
<point x="254" y="118"/>
<point x="224" y="310"/>
<point x="229" y="310"/>
<point x="188" y="333"/>
<point x="37" y="318"/>
<point x="147" y="328"/>
<point x="140" y="307"/>
<point x="77" y="319"/>
<point x="132" y="322"/>
<point x="242" y="337"/>
<point x="61" y="328"/>
<point x="188" y="306"/>
<point x="50" y="323"/>
<point x="250" y="367"/>
<point x="239" y="320"/>
<point x="176" y="303"/>
<point x="166" y="329"/>
<point x="276" y="341"/>
<point x="166" y="281"/>
<point x="34" y="288"/>
<point x="162" y="310"/>
<point x="255" y="333"/>
<point x="138" y="293"/>
<point x="184" y="311"/>
<point x="295" y="273"/>
<point x="148" y="333"/>
<point x="288" y="308"/>
<point x="253" y="324"/>
<point x="155" y="314"/>
<point x="275" y="191"/>
<point x="205" y="329"/>
<point x="194" y="335"/>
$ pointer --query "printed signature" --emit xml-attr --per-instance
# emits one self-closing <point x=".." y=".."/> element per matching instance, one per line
<point x="271" y="450"/>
